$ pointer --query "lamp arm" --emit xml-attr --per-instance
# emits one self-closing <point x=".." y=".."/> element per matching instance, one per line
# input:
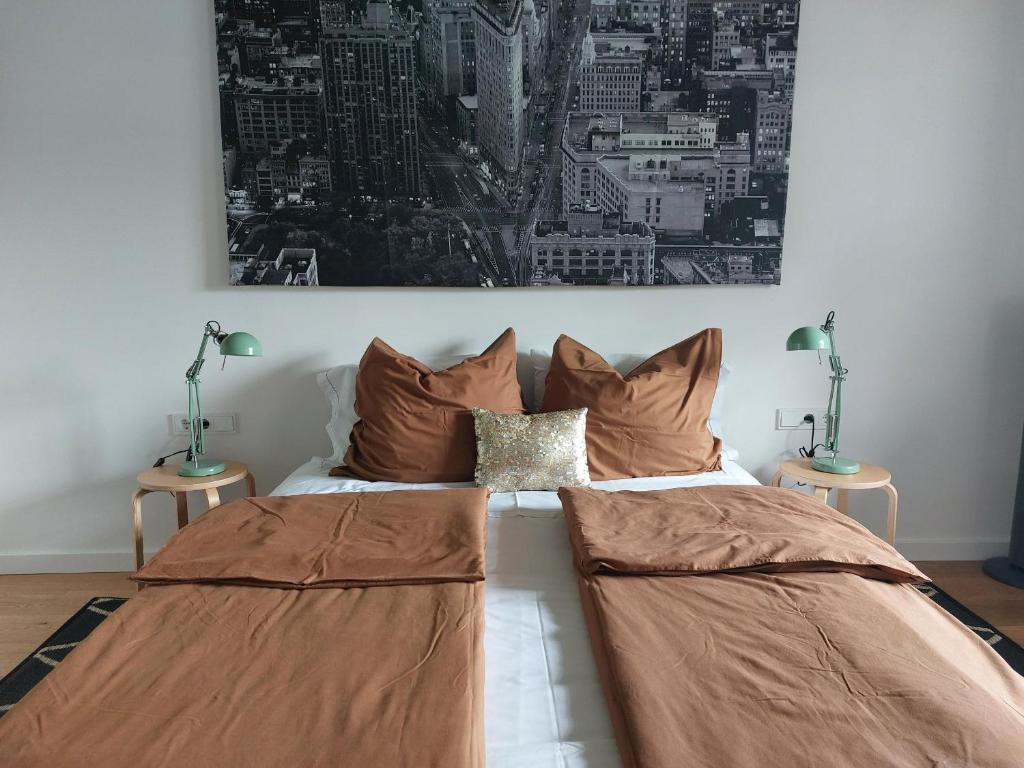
<point x="835" y="397"/>
<point x="195" y="420"/>
<point x="835" y="409"/>
<point x="195" y="409"/>
<point x="211" y="330"/>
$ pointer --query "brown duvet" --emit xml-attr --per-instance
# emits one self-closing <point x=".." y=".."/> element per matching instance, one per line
<point x="324" y="630"/>
<point x="748" y="626"/>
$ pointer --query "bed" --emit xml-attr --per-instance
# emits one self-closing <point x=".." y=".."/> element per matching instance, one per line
<point x="546" y="702"/>
<point x="543" y="703"/>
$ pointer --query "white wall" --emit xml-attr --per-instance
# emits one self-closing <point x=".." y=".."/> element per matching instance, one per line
<point x="905" y="216"/>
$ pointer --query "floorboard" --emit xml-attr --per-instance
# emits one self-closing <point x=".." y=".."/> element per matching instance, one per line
<point x="33" y="606"/>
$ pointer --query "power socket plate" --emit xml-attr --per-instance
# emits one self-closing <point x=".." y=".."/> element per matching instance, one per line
<point x="793" y="418"/>
<point x="177" y="423"/>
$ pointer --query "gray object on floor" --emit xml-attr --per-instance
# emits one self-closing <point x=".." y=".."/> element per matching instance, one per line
<point x="1010" y="570"/>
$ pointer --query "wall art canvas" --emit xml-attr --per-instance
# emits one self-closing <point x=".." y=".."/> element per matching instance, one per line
<point x="503" y="143"/>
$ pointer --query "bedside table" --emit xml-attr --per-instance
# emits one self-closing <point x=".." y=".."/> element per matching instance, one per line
<point x="166" y="478"/>
<point x="870" y="476"/>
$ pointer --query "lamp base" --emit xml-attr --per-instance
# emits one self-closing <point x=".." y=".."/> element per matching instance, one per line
<point x="1002" y="569"/>
<point x="836" y="466"/>
<point x="201" y="468"/>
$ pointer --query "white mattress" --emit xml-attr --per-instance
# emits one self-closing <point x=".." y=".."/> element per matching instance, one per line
<point x="543" y="700"/>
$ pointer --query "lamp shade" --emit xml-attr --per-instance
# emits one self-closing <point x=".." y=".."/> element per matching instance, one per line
<point x="808" y="337"/>
<point x="241" y="344"/>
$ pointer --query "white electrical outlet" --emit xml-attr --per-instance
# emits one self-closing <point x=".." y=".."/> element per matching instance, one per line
<point x="177" y="423"/>
<point x="793" y="418"/>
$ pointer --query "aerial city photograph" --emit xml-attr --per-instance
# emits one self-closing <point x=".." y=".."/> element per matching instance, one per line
<point x="486" y="143"/>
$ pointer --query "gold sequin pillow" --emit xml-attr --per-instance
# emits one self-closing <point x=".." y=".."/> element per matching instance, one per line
<point x="538" y="452"/>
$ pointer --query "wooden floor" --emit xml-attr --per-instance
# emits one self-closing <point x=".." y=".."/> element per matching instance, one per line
<point x="33" y="607"/>
<point x="1000" y="605"/>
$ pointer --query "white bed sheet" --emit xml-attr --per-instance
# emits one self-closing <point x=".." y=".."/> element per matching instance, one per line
<point x="543" y="703"/>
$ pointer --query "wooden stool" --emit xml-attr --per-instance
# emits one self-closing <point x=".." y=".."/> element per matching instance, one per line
<point x="166" y="478"/>
<point x="870" y="476"/>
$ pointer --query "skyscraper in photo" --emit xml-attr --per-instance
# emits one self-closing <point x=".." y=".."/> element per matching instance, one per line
<point x="609" y="82"/>
<point x="534" y="52"/>
<point x="334" y="13"/>
<point x="699" y="35"/>
<point x="771" y="135"/>
<point x="673" y="33"/>
<point x="276" y="111"/>
<point x="501" y="122"/>
<point x="369" y="71"/>
<point x="448" y="39"/>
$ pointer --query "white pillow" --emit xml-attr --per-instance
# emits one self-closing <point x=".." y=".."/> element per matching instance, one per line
<point x="624" y="363"/>
<point x="339" y="387"/>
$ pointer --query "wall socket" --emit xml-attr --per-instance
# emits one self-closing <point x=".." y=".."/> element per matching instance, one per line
<point x="793" y="418"/>
<point x="177" y="423"/>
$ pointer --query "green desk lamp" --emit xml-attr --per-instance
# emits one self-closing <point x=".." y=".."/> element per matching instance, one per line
<point x="818" y="338"/>
<point x="239" y="344"/>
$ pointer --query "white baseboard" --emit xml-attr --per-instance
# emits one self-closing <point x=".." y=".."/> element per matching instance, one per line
<point x="952" y="549"/>
<point x="68" y="562"/>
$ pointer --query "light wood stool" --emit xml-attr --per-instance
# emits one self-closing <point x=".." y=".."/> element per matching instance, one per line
<point x="870" y="476"/>
<point x="166" y="478"/>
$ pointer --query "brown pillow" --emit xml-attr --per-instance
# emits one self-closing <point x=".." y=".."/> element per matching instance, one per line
<point x="652" y="421"/>
<point x="416" y="425"/>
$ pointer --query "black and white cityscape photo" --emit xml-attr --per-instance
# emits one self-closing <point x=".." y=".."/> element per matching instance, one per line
<point x="491" y="143"/>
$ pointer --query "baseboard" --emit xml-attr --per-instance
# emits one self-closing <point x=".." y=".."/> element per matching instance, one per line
<point x="68" y="562"/>
<point x="952" y="549"/>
